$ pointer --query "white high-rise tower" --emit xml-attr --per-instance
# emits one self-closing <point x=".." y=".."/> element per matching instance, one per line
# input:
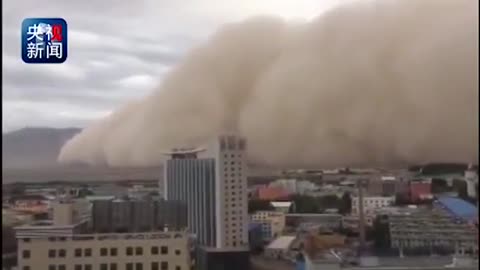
<point x="471" y="177"/>
<point x="231" y="192"/>
<point x="214" y="188"/>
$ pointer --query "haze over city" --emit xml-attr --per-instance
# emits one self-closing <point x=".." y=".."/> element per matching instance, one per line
<point x="289" y="74"/>
<point x="240" y="135"/>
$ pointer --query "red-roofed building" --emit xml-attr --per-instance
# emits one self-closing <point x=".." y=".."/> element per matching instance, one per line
<point x="420" y="190"/>
<point x="272" y="193"/>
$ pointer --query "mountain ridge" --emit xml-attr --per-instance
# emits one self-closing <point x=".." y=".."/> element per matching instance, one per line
<point x="34" y="147"/>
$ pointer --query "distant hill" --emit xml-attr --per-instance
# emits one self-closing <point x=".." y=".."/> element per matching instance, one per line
<point x="34" y="147"/>
<point x="79" y="174"/>
<point x="30" y="154"/>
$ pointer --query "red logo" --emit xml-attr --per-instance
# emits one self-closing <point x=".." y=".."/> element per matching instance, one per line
<point x="57" y="32"/>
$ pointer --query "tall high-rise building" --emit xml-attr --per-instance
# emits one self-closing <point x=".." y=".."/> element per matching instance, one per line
<point x="192" y="181"/>
<point x="213" y="183"/>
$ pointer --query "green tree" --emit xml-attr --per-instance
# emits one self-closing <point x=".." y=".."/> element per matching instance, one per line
<point x="381" y="232"/>
<point x="259" y="205"/>
<point x="401" y="199"/>
<point x="346" y="204"/>
<point x="306" y="204"/>
<point x="85" y="192"/>
<point x="439" y="185"/>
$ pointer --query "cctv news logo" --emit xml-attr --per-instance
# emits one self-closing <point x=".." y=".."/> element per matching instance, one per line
<point x="44" y="40"/>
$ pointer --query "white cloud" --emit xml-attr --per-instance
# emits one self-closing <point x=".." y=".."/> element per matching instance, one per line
<point x="141" y="81"/>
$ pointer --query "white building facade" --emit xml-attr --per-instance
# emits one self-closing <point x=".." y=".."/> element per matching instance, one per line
<point x="158" y="250"/>
<point x="231" y="192"/>
<point x="371" y="204"/>
<point x="471" y="177"/>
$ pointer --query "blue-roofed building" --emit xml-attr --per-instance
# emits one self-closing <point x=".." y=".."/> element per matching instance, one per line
<point x="300" y="262"/>
<point x="458" y="208"/>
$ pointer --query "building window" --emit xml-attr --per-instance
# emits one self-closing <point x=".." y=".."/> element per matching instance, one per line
<point x="154" y="250"/>
<point x="103" y="252"/>
<point x="62" y="238"/>
<point x="138" y="251"/>
<point x="129" y="252"/>
<point x="78" y="252"/>
<point x="88" y="267"/>
<point x="51" y="239"/>
<point x="103" y="266"/>
<point x="113" y="266"/>
<point x="26" y="254"/>
<point x="129" y="266"/>
<point x="223" y="145"/>
<point x="26" y="240"/>
<point x="164" y="266"/>
<point x="62" y="253"/>
<point x="88" y="252"/>
<point x="62" y="267"/>
<point x="177" y="251"/>
<point x="154" y="266"/>
<point x="52" y="253"/>
<point x="241" y="145"/>
<point x="26" y="267"/>
<point x="52" y="267"/>
<point x="178" y="268"/>
<point x="78" y="267"/>
<point x="138" y="266"/>
<point x="113" y="251"/>
<point x="164" y="250"/>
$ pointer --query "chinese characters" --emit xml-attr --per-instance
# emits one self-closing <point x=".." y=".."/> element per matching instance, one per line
<point x="42" y="42"/>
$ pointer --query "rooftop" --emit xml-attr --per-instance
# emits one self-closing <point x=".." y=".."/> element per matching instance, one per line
<point x="272" y="193"/>
<point x="281" y="204"/>
<point x="459" y="207"/>
<point x="397" y="263"/>
<point x="282" y="242"/>
<point x="184" y="151"/>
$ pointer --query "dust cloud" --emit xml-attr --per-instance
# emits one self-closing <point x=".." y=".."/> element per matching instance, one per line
<point x="371" y="83"/>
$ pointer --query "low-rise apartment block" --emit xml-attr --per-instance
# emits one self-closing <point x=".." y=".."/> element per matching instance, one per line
<point x="122" y="251"/>
<point x="70" y="242"/>
<point x="273" y="223"/>
<point x="371" y="204"/>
